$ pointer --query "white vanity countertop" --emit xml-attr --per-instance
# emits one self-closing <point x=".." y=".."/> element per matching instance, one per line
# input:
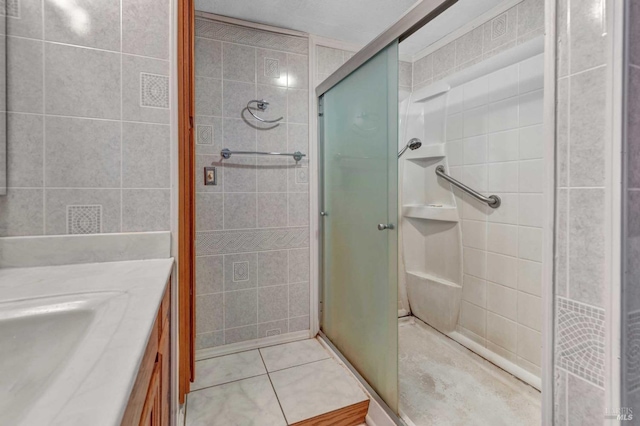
<point x="93" y="390"/>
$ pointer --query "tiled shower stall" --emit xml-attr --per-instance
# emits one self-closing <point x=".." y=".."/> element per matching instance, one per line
<point x="252" y="266"/>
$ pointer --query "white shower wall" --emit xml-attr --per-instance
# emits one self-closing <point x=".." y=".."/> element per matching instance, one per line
<point x="494" y="143"/>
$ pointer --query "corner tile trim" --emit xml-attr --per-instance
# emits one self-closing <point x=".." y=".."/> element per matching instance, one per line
<point x="580" y="340"/>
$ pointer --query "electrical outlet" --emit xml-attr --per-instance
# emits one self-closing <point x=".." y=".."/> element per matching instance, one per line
<point x="210" y="176"/>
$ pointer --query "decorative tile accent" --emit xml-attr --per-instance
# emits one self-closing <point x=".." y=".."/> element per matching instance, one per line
<point x="240" y="271"/>
<point x="154" y="90"/>
<point x="84" y="219"/>
<point x="274" y="332"/>
<point x="302" y="175"/>
<point x="236" y="34"/>
<point x="271" y="68"/>
<point x="242" y="241"/>
<point x="499" y="26"/>
<point x="632" y="375"/>
<point x="580" y="340"/>
<point x="10" y="8"/>
<point x="204" y="134"/>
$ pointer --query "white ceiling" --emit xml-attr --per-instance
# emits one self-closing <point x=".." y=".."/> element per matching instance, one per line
<point x="352" y="21"/>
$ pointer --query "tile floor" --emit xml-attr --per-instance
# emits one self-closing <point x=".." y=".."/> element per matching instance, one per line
<point x="443" y="383"/>
<point x="278" y="385"/>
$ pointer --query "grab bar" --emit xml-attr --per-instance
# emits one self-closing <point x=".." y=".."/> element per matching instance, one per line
<point x="492" y="201"/>
<point x="226" y="154"/>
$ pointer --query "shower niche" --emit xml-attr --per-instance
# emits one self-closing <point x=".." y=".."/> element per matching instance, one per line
<point x="430" y="226"/>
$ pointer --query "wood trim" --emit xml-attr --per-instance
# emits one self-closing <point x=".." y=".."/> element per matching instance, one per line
<point x="186" y="198"/>
<point x="351" y="415"/>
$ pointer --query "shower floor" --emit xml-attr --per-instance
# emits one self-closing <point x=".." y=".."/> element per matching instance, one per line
<point x="443" y="383"/>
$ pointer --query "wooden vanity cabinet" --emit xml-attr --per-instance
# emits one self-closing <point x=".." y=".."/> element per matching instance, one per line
<point x="150" y="398"/>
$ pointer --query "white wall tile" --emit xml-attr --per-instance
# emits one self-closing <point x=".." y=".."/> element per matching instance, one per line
<point x="531" y="108"/>
<point x="531" y="209"/>
<point x="502" y="332"/>
<point x="530" y="277"/>
<point x="475" y="122"/>
<point x="530" y="311"/>
<point x="531" y="176"/>
<point x="503" y="115"/>
<point x="454" y="127"/>
<point x="474" y="234"/>
<point x="531" y="143"/>
<point x="474" y="290"/>
<point x="503" y="83"/>
<point x="502" y="301"/>
<point x="532" y="74"/>
<point x="476" y="93"/>
<point x="529" y="344"/>
<point x="502" y="269"/>
<point x="502" y="239"/>
<point x="473" y="318"/>
<point x="507" y="212"/>
<point x="503" y="146"/>
<point x="530" y="243"/>
<point x="474" y="262"/>
<point x="502" y="177"/>
<point x="475" y="150"/>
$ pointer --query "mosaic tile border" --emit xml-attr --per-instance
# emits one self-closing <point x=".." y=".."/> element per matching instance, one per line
<point x="632" y="356"/>
<point x="250" y="240"/>
<point x="580" y="344"/>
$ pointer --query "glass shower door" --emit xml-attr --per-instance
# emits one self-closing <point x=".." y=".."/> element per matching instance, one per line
<point x="359" y="140"/>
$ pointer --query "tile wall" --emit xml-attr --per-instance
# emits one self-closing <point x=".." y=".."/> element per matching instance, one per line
<point x="495" y="144"/>
<point x="252" y="244"/>
<point x="631" y="226"/>
<point x="582" y="142"/>
<point x="515" y="26"/>
<point x="88" y="117"/>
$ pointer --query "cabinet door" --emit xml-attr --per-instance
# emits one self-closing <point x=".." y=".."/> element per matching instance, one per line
<point x="152" y="411"/>
<point x="164" y="356"/>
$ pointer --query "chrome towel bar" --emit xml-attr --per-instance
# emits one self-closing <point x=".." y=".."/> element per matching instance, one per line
<point x="226" y="154"/>
<point x="492" y="201"/>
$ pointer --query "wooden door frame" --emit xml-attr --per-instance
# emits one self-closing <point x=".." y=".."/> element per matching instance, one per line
<point x="186" y="198"/>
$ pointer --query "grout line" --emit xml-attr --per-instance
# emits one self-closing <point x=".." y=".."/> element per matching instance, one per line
<point x="79" y="46"/>
<point x="273" y="387"/>
<point x="231" y="381"/>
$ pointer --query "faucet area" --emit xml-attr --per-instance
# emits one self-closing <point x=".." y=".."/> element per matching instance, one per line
<point x="240" y="213"/>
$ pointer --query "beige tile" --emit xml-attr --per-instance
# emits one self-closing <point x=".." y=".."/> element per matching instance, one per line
<point x="502" y="332"/>
<point x="502" y="300"/>
<point x="530" y="277"/>
<point x="228" y="368"/>
<point x="529" y="344"/>
<point x="312" y="389"/>
<point x="530" y="311"/>
<point x="502" y="269"/>
<point x="245" y="402"/>
<point x="473" y="318"/>
<point x="292" y="354"/>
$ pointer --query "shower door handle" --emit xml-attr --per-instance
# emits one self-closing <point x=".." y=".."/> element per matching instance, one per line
<point x="382" y="226"/>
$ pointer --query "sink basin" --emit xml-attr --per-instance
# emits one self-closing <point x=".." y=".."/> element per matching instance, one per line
<point x="40" y="338"/>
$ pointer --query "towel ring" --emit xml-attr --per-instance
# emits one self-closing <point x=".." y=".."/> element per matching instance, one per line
<point x="262" y="106"/>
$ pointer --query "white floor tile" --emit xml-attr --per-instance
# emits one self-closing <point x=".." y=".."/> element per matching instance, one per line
<point x="292" y="354"/>
<point x="313" y="389"/>
<point x="248" y="402"/>
<point x="228" y="368"/>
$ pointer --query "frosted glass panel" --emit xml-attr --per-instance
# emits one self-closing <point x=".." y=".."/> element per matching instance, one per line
<point x="359" y="133"/>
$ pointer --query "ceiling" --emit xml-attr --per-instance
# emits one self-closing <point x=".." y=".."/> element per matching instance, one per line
<point x="352" y="21"/>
